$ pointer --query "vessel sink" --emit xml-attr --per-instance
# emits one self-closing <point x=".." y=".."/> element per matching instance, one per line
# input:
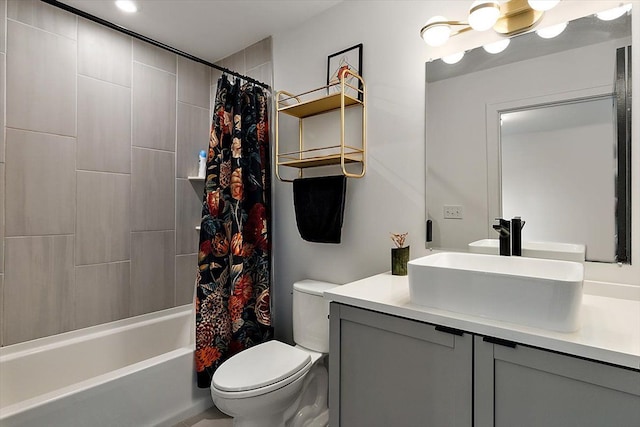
<point x="548" y="250"/>
<point x="534" y="292"/>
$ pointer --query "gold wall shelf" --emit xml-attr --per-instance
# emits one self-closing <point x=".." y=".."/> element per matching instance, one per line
<point x="318" y="102"/>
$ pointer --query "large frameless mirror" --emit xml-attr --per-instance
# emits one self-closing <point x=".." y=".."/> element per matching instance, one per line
<point x="540" y="130"/>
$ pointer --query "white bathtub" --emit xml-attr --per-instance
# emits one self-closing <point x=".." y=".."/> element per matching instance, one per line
<point x="132" y="373"/>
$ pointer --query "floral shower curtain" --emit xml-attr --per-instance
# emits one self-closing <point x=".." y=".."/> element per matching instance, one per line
<point x="233" y="282"/>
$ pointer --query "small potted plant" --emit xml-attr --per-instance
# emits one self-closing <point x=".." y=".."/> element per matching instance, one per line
<point x="399" y="254"/>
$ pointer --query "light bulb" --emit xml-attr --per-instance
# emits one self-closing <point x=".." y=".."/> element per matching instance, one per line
<point x="453" y="59"/>
<point x="497" y="47"/>
<point x="611" y="14"/>
<point x="552" y="31"/>
<point x="127" y="6"/>
<point x="543" y="5"/>
<point x="438" y="33"/>
<point x="483" y="14"/>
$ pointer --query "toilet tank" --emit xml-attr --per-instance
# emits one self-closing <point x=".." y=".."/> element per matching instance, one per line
<point x="311" y="315"/>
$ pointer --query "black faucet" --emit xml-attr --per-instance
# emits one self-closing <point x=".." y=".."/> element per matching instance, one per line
<point x="516" y="236"/>
<point x="503" y="227"/>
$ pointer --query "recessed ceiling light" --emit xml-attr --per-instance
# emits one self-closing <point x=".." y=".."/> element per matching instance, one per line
<point x="127" y="6"/>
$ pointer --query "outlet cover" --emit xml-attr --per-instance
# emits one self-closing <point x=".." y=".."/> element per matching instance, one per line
<point x="453" y="212"/>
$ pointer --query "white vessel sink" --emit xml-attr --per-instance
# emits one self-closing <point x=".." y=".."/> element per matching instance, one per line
<point x="548" y="250"/>
<point x="534" y="292"/>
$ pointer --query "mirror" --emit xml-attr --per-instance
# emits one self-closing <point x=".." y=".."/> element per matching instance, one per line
<point x="550" y="180"/>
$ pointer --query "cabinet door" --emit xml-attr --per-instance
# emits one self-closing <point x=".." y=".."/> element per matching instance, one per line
<point x="524" y="386"/>
<point x="388" y="371"/>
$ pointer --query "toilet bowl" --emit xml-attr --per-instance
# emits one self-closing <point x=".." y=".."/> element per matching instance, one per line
<point x="274" y="384"/>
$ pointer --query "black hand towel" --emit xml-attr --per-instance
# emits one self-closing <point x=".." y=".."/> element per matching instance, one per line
<point x="319" y="207"/>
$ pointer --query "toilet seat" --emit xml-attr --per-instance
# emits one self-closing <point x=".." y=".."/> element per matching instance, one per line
<point x="259" y="370"/>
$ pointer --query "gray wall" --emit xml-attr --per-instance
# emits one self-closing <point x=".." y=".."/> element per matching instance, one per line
<point x="102" y="131"/>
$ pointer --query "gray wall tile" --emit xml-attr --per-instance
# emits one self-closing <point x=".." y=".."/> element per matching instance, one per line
<point x="2" y="196"/>
<point x="154" y="108"/>
<point x="152" y="190"/>
<point x="193" y="136"/>
<point x="152" y="271"/>
<point x="188" y="215"/>
<point x="154" y="56"/>
<point x="38" y="287"/>
<point x="103" y="53"/>
<point x="103" y="230"/>
<point x="235" y="62"/>
<point x="35" y="60"/>
<point x="40" y="184"/>
<point x="215" y="75"/>
<point x="193" y="82"/>
<point x="186" y="271"/>
<point x="3" y="70"/>
<point x="2" y="321"/>
<point x="258" y="53"/>
<point x="43" y="16"/>
<point x="101" y="293"/>
<point x="3" y="26"/>
<point x="263" y="73"/>
<point x="104" y="126"/>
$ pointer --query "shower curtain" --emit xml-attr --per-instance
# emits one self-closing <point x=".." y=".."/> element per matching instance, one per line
<point x="233" y="281"/>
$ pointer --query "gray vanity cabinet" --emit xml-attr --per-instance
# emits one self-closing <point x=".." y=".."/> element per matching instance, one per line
<point x="523" y="386"/>
<point x="389" y="371"/>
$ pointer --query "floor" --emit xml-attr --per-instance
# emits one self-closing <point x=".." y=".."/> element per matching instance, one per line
<point x="212" y="417"/>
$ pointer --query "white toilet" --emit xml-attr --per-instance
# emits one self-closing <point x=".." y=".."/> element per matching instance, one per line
<point x="275" y="384"/>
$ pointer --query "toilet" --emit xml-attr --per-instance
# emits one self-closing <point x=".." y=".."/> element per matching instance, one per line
<point x="274" y="384"/>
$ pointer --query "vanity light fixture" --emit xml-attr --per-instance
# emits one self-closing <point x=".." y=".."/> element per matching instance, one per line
<point x="453" y="59"/>
<point x="506" y="18"/>
<point x="127" y="6"/>
<point x="615" y="13"/>
<point x="496" y="47"/>
<point x="543" y="5"/>
<point x="552" y="31"/>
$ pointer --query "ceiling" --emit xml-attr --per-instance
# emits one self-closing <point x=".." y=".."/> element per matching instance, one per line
<point x="208" y="29"/>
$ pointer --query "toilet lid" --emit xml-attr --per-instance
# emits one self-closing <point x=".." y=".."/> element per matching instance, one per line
<point x="260" y="366"/>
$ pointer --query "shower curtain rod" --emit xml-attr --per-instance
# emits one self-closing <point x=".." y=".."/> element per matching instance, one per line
<point x="151" y="41"/>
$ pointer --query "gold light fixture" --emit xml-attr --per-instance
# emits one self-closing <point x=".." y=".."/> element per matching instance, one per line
<point x="509" y="18"/>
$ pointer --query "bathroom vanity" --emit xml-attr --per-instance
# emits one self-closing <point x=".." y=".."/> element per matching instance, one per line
<point x="393" y="362"/>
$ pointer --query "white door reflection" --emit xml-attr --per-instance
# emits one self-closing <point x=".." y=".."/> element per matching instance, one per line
<point x="557" y="167"/>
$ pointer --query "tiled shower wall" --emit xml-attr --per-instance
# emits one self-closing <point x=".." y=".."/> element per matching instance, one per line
<point x="101" y="132"/>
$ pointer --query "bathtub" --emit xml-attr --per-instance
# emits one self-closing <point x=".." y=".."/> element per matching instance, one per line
<point x="132" y="372"/>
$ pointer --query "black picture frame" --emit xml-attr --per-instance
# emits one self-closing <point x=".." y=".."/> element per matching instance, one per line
<point x="350" y="57"/>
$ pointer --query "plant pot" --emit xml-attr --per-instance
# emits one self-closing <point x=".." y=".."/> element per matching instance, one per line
<point x="399" y="260"/>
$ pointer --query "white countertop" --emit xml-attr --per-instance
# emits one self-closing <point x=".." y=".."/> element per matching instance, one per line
<point x="610" y="329"/>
